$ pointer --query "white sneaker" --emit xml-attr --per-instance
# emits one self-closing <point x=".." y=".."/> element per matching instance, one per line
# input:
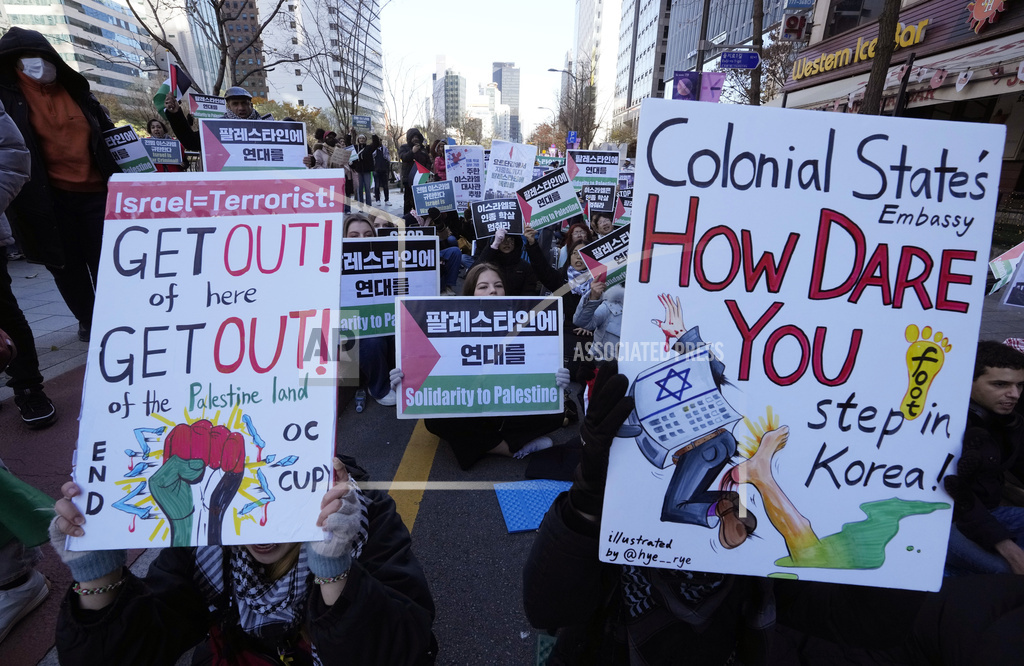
<point x="18" y="602"/>
<point x="390" y="400"/>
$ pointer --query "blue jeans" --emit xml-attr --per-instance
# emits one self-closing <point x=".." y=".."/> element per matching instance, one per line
<point x="380" y="182"/>
<point x="363" y="185"/>
<point x="451" y="261"/>
<point x="964" y="556"/>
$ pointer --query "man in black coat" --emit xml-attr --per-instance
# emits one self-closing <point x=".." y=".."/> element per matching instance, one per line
<point x="58" y="215"/>
<point x="411" y="152"/>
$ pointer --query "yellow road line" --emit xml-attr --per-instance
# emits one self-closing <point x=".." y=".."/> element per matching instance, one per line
<point x="415" y="469"/>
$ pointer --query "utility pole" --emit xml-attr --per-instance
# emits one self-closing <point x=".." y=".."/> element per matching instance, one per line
<point x="755" y="74"/>
<point x="702" y="45"/>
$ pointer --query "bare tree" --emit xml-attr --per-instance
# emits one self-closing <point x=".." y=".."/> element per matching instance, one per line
<point x="776" y="62"/>
<point x="402" y="98"/>
<point x="887" y="22"/>
<point x="577" y="106"/>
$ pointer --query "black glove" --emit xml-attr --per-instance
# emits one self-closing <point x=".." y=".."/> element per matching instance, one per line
<point x="609" y="407"/>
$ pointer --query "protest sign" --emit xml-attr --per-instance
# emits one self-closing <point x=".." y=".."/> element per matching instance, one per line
<point x="606" y="257"/>
<point x="387" y="232"/>
<point x="1014" y="294"/>
<point x="489" y="216"/>
<point x="464" y="167"/>
<point x="163" y="151"/>
<point x="510" y="167"/>
<point x="623" y="207"/>
<point x="1003" y="266"/>
<point x="599" y="198"/>
<point x="339" y="158"/>
<point x="549" y="200"/>
<point x="539" y="171"/>
<point x="812" y="298"/>
<point x="479" y="356"/>
<point x="207" y="106"/>
<point x="376" y="270"/>
<point x="209" y="406"/>
<point x="626" y="180"/>
<point x="252" y="145"/>
<point x="127" y="150"/>
<point x="439" y="194"/>
<point x="592" y="167"/>
<point x="361" y="124"/>
<point x="550" y="161"/>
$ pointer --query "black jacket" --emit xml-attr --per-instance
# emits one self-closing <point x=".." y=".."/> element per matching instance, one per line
<point x="409" y="158"/>
<point x="383" y="616"/>
<point x="363" y="159"/>
<point x="32" y="213"/>
<point x="516" y="273"/>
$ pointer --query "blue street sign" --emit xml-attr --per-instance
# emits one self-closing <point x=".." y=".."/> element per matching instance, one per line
<point x="799" y="4"/>
<point x="739" y="60"/>
<point x="571" y="138"/>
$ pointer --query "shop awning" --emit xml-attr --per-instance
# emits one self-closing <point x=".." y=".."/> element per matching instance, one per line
<point x="993" y="65"/>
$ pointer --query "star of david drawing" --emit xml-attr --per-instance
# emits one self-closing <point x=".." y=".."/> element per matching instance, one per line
<point x="665" y="392"/>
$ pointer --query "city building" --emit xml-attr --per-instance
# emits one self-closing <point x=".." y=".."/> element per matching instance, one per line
<point x="199" y="55"/>
<point x="640" y="64"/>
<point x="595" y="54"/>
<point x="965" y="68"/>
<point x="506" y="76"/>
<point x="99" y="38"/>
<point x="241" y="24"/>
<point x="449" y="89"/>
<point x="494" y="116"/>
<point x="334" y="49"/>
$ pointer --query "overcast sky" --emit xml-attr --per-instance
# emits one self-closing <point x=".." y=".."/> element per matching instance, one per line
<point x="534" y="34"/>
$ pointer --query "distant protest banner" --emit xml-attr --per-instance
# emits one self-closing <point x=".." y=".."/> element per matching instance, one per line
<point x="539" y="171"/>
<point x="801" y="347"/>
<point x="509" y="168"/>
<point x="207" y="106"/>
<point x="376" y="270"/>
<point x="464" y="167"/>
<point x="550" y="161"/>
<point x="127" y="150"/>
<point x="606" y="257"/>
<point x="549" y="200"/>
<point x="1003" y="266"/>
<point x="1014" y="294"/>
<point x="362" y="124"/>
<point x="479" y="356"/>
<point x="592" y="167"/>
<point x="600" y="198"/>
<point x="252" y="145"/>
<point x="208" y="414"/>
<point x="623" y="207"/>
<point x="386" y="232"/>
<point x="163" y="151"/>
<point x="489" y="216"/>
<point x="439" y="194"/>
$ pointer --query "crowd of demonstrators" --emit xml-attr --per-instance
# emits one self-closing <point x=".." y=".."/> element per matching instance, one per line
<point x="473" y="438"/>
<point x="357" y="597"/>
<point x="412" y="152"/>
<point x="158" y="130"/>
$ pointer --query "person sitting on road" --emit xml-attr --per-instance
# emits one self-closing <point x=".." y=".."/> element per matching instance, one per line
<point x="602" y="224"/>
<point x="357" y="597"/>
<point x="471" y="438"/>
<point x="578" y="232"/>
<point x="506" y="251"/>
<point x="988" y="531"/>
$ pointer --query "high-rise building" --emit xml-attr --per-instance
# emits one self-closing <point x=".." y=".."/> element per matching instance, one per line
<point x="640" y="66"/>
<point x="454" y="98"/>
<point x="336" y="49"/>
<point x="594" y="54"/>
<point x="506" y="75"/>
<point x="99" y="38"/>
<point x="241" y="24"/>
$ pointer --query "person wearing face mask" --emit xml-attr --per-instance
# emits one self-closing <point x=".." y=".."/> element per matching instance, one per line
<point x="58" y="215"/>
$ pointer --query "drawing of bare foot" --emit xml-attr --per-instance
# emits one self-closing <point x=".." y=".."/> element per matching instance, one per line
<point x="925" y="358"/>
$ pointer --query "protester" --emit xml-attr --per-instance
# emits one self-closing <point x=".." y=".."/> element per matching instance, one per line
<point x="239" y="107"/>
<point x="578" y="232"/>
<point x="58" y="215"/>
<point x="412" y="152"/>
<point x="158" y="130"/>
<point x="451" y="255"/>
<point x="357" y="597"/>
<point x="437" y="151"/>
<point x="472" y="438"/>
<point x="362" y="167"/>
<point x="987" y="535"/>
<point x="602" y="224"/>
<point x="321" y="156"/>
<point x="601" y="313"/>
<point x="506" y="251"/>
<point x="381" y="169"/>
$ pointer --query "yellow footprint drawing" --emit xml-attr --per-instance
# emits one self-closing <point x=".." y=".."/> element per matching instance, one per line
<point x="925" y="357"/>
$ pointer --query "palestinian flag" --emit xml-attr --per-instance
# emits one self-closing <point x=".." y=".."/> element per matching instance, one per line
<point x="178" y="81"/>
<point x="422" y="175"/>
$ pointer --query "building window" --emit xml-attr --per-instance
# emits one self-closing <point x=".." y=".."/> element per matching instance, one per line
<point x="846" y="15"/>
<point x="298" y="87"/>
<point x="301" y="103"/>
<point x="334" y="42"/>
<point x="295" y="40"/>
<point x="293" y="24"/>
<point x="298" y="72"/>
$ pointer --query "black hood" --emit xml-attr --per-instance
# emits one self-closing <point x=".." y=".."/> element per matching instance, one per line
<point x="17" y="41"/>
<point x="412" y="133"/>
<point x="512" y="258"/>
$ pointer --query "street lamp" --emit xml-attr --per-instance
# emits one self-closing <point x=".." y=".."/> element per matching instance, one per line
<point x="574" y="96"/>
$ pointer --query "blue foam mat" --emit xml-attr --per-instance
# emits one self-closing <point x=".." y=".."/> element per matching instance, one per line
<point x="524" y="503"/>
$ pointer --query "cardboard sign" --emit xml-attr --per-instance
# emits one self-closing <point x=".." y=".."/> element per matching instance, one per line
<point x="509" y="168"/>
<point x="439" y="194"/>
<point x="376" y="270"/>
<point x="209" y="405"/>
<point x="207" y="106"/>
<point x="340" y="157"/>
<point x="623" y="207"/>
<point x="549" y="200"/>
<point x="464" y="167"/>
<point x="801" y="348"/>
<point x="606" y="257"/>
<point x="164" y="151"/>
<point x="127" y="150"/>
<point x="489" y="216"/>
<point x="388" y="232"/>
<point x="361" y="124"/>
<point x="479" y="356"/>
<point x="600" y="198"/>
<point x="252" y="145"/>
<point x="592" y="167"/>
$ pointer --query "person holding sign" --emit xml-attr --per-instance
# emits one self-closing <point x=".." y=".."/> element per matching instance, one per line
<point x="357" y="597"/>
<point x="505" y="252"/>
<point x="412" y="152"/>
<point x="58" y="215"/>
<point x="157" y="130"/>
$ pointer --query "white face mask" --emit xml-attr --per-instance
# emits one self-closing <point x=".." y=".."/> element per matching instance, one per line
<point x="39" y="69"/>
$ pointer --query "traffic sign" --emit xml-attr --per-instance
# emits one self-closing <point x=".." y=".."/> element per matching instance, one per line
<point x="739" y="60"/>
<point x="799" y="4"/>
<point x="572" y="137"/>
